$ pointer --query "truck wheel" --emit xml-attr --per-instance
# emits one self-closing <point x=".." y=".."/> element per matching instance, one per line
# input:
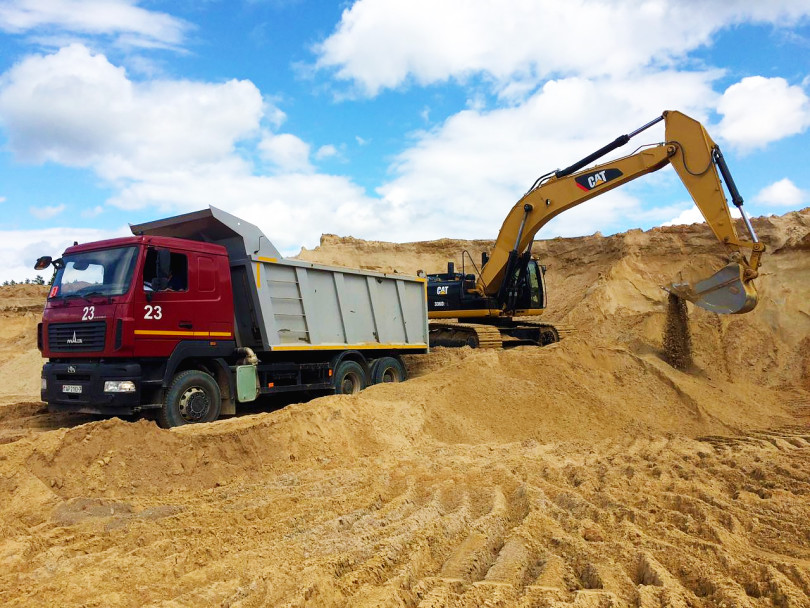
<point x="349" y="378"/>
<point x="387" y="369"/>
<point x="192" y="397"/>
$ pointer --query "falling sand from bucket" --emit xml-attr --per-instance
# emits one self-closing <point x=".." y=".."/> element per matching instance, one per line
<point x="677" y="339"/>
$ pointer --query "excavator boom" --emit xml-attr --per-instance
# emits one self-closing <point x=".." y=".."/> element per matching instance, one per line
<point x="700" y="165"/>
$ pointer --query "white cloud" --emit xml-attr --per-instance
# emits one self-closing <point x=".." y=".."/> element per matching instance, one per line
<point x="2" y="199"/>
<point x="287" y="152"/>
<point x="19" y="249"/>
<point x="292" y="209"/>
<point x="76" y="108"/>
<point x="132" y="25"/>
<point x="176" y="146"/>
<point x="692" y="215"/>
<point x="783" y="193"/>
<point x="46" y="213"/>
<point x="607" y="214"/>
<point x="381" y="44"/>
<point x="327" y="151"/>
<point x="758" y="110"/>
<point x="475" y="166"/>
<point x="93" y="212"/>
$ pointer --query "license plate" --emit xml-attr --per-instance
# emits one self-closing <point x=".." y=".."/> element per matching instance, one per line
<point x="71" y="388"/>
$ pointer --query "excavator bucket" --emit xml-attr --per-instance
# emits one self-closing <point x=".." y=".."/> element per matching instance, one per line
<point x="725" y="292"/>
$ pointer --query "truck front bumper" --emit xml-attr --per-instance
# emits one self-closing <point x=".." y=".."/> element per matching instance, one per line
<point x="79" y="388"/>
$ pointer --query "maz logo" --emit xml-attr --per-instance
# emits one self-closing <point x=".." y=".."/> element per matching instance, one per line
<point x="74" y="339"/>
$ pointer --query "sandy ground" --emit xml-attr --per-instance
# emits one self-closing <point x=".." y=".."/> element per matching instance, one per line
<point x="588" y="473"/>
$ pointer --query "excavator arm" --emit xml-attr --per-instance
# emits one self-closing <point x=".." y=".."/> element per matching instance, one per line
<point x="700" y="165"/>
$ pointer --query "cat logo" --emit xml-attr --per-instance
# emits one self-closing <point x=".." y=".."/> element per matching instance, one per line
<point x="442" y="290"/>
<point x="589" y="181"/>
<point x="596" y="179"/>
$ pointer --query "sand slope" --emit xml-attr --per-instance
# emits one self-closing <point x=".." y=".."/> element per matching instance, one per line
<point x="588" y="473"/>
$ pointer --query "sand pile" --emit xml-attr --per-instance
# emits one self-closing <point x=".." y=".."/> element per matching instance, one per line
<point x="588" y="473"/>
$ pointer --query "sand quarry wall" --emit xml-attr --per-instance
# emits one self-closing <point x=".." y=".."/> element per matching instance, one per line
<point x="554" y="471"/>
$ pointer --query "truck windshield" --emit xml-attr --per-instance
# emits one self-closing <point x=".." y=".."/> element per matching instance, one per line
<point x="107" y="272"/>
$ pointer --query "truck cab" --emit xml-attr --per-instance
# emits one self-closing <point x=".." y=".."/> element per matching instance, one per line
<point x="119" y="309"/>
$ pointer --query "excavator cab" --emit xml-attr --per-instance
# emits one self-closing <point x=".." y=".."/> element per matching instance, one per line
<point x="530" y="289"/>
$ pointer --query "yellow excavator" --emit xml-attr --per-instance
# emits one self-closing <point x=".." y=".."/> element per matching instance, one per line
<point x="489" y="304"/>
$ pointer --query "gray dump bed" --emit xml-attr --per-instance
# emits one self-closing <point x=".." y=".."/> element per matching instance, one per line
<point x="291" y="305"/>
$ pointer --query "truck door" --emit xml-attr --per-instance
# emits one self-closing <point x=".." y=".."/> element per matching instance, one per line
<point x="189" y="308"/>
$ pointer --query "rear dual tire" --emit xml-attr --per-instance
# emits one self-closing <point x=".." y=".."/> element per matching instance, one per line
<point x="387" y="369"/>
<point x="350" y="377"/>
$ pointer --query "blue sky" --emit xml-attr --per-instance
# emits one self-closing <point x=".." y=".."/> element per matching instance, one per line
<point x="380" y="119"/>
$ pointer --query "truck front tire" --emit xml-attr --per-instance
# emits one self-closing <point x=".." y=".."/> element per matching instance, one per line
<point x="192" y="397"/>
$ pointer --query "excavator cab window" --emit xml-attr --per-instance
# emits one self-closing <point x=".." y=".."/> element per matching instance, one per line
<point x="535" y="296"/>
<point x="528" y="283"/>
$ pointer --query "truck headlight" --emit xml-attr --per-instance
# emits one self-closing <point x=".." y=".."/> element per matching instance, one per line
<point x="119" y="386"/>
<point x="44" y="384"/>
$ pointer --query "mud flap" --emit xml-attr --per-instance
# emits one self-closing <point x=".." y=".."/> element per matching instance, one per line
<point x="724" y="293"/>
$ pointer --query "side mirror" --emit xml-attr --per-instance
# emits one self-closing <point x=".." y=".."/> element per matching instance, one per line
<point x="43" y="262"/>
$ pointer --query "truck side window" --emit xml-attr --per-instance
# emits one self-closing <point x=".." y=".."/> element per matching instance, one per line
<point x="178" y="271"/>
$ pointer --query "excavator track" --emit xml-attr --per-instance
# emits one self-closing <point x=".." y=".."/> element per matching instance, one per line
<point x="479" y="335"/>
<point x="448" y="333"/>
<point x="563" y="331"/>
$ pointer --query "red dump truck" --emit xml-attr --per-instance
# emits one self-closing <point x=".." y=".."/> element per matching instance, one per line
<point x="197" y="313"/>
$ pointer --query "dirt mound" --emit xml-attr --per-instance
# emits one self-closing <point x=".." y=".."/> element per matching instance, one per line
<point x="588" y="473"/>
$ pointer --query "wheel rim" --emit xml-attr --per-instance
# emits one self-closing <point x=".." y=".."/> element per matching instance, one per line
<point x="194" y="404"/>
<point x="350" y="384"/>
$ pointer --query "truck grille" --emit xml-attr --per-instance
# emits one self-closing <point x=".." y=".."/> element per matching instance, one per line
<point x="77" y="337"/>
